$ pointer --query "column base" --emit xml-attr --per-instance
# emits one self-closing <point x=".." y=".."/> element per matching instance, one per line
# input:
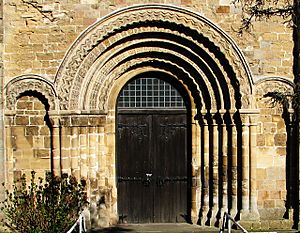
<point x="203" y="216"/>
<point x="249" y="215"/>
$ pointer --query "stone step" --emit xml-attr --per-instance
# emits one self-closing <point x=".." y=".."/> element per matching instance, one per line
<point x="267" y="225"/>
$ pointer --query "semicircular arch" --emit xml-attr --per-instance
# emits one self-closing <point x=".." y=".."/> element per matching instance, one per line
<point x="154" y="34"/>
<point x="21" y="84"/>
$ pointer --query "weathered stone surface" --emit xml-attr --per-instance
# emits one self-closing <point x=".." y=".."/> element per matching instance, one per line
<point x="38" y="40"/>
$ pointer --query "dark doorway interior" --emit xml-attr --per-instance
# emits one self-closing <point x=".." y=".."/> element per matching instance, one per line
<point x="152" y="157"/>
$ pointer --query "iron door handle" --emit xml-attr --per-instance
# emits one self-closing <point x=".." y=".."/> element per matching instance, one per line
<point x="147" y="180"/>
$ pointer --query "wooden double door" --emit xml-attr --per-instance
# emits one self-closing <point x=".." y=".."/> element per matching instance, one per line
<point x="152" y="171"/>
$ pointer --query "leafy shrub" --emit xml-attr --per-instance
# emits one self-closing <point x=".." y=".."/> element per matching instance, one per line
<point x="50" y="206"/>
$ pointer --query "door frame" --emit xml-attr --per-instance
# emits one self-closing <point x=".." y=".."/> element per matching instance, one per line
<point x="189" y="119"/>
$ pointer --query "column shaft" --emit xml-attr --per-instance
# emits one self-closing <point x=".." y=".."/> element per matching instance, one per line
<point x="215" y="172"/>
<point x="233" y="210"/>
<point x="83" y="152"/>
<point x="75" y="152"/>
<point x="245" y="164"/>
<point x="55" y="137"/>
<point x="224" y="169"/>
<point x="65" y="151"/>
<point x="93" y="165"/>
<point x="205" y="174"/>
<point x="253" y="166"/>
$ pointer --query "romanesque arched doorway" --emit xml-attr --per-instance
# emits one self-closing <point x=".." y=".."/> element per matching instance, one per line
<point x="220" y="114"/>
<point x="153" y="155"/>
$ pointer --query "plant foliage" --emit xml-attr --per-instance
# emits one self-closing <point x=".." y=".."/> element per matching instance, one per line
<point x="49" y="206"/>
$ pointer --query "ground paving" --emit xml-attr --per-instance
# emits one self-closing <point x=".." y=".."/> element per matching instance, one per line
<point x="156" y="228"/>
<point x="167" y="228"/>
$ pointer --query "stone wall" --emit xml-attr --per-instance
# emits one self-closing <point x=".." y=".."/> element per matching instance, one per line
<point x="38" y="34"/>
<point x="85" y="154"/>
<point x="2" y="157"/>
<point x="273" y="156"/>
<point x="30" y="139"/>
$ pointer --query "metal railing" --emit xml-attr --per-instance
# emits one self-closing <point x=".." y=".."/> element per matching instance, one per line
<point x="80" y="224"/>
<point x="227" y="219"/>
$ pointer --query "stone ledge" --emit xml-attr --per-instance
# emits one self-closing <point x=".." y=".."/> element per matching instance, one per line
<point x="267" y="225"/>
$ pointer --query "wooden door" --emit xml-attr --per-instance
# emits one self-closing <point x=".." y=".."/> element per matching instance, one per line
<point x="152" y="167"/>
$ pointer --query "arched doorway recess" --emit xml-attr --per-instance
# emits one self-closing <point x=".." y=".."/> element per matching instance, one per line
<point x="207" y="62"/>
<point x="153" y="151"/>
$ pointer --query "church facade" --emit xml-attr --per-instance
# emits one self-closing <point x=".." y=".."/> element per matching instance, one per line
<point x="158" y="105"/>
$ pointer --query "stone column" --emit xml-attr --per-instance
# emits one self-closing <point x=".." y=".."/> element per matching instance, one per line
<point x="75" y="152"/>
<point x="93" y="163"/>
<point x="224" y="176"/>
<point x="55" y="139"/>
<point x="83" y="152"/>
<point x="65" y="150"/>
<point x="196" y="171"/>
<point x="253" y="165"/>
<point x="233" y="165"/>
<point x="215" y="172"/>
<point x="9" y="150"/>
<point x="245" y="165"/>
<point x="205" y="173"/>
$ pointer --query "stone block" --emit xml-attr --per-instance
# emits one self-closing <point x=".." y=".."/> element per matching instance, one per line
<point x="36" y="120"/>
<point x="24" y="105"/>
<point x="38" y="105"/>
<point x="270" y="127"/>
<point x="280" y="139"/>
<point x="275" y="224"/>
<point x="44" y="131"/>
<point x="269" y="139"/>
<point x="22" y="120"/>
<point x="269" y="203"/>
<point x="38" y="142"/>
<point x="44" y="56"/>
<point x="260" y="140"/>
<point x="41" y="153"/>
<point x="31" y="130"/>
<point x="79" y="121"/>
<point x="264" y="225"/>
<point x="281" y="151"/>
<point x="223" y="9"/>
<point x="47" y="141"/>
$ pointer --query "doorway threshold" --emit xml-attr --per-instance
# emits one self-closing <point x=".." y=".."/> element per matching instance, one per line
<point x="157" y="228"/>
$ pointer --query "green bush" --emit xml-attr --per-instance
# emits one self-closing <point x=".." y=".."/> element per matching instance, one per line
<point x="49" y="206"/>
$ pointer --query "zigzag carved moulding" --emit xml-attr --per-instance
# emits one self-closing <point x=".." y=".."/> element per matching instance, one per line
<point x="26" y="83"/>
<point x="129" y="17"/>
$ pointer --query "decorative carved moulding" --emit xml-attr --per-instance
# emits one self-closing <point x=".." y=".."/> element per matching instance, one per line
<point x="29" y="83"/>
<point x="101" y="49"/>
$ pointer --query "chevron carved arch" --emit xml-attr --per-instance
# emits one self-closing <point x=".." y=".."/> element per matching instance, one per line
<point x="24" y="83"/>
<point x="167" y="37"/>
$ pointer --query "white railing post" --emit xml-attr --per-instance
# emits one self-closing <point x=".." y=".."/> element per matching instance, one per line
<point x="228" y="222"/>
<point x="80" y="222"/>
<point x="228" y="219"/>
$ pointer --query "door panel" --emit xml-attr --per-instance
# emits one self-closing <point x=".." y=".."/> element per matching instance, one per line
<point x="170" y="168"/>
<point x="153" y="145"/>
<point x="135" y="195"/>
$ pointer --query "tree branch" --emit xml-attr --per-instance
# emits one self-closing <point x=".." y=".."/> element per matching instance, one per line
<point x="45" y="14"/>
<point x="257" y="10"/>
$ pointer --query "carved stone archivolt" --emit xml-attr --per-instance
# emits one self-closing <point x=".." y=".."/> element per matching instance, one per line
<point x="269" y="84"/>
<point x="111" y="61"/>
<point x="121" y="32"/>
<point x="26" y="83"/>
